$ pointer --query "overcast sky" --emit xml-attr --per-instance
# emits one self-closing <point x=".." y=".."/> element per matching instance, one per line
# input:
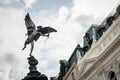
<point x="71" y="18"/>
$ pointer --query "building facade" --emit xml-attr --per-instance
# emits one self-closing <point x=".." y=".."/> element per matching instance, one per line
<point x="99" y="58"/>
<point x="102" y="61"/>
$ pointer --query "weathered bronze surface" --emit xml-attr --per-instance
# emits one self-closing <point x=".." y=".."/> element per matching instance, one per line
<point x="34" y="34"/>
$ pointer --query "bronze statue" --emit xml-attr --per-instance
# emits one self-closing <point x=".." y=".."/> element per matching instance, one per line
<point x="33" y="33"/>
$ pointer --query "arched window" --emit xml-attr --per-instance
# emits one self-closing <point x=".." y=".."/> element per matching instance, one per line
<point x="112" y="76"/>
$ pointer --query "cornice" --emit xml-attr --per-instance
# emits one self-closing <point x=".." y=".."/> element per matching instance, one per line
<point x="85" y="64"/>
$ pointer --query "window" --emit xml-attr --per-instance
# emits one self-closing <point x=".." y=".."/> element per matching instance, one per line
<point x="73" y="77"/>
<point x="78" y="54"/>
<point x="112" y="76"/>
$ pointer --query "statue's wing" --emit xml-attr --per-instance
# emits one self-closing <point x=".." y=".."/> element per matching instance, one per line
<point x="29" y="24"/>
<point x="46" y="30"/>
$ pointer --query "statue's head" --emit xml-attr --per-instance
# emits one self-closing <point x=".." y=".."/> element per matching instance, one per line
<point x="39" y="27"/>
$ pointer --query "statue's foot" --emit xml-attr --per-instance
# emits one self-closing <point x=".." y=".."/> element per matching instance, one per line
<point x="23" y="48"/>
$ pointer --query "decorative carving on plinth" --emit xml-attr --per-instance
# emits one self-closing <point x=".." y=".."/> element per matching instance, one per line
<point x="33" y="73"/>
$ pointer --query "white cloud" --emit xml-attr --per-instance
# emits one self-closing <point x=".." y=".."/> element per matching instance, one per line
<point x="12" y="29"/>
<point x="63" y="14"/>
<point x="29" y="3"/>
<point x="8" y="2"/>
<point x="95" y="7"/>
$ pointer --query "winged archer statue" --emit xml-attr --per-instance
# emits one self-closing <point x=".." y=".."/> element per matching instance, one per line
<point x="34" y="34"/>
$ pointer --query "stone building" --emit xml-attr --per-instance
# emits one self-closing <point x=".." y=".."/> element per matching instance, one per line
<point x="102" y="61"/>
<point x="99" y="58"/>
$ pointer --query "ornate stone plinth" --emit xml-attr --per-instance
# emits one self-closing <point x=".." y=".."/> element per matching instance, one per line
<point x="34" y="74"/>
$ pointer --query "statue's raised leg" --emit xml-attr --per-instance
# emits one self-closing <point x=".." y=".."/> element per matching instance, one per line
<point x="24" y="46"/>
